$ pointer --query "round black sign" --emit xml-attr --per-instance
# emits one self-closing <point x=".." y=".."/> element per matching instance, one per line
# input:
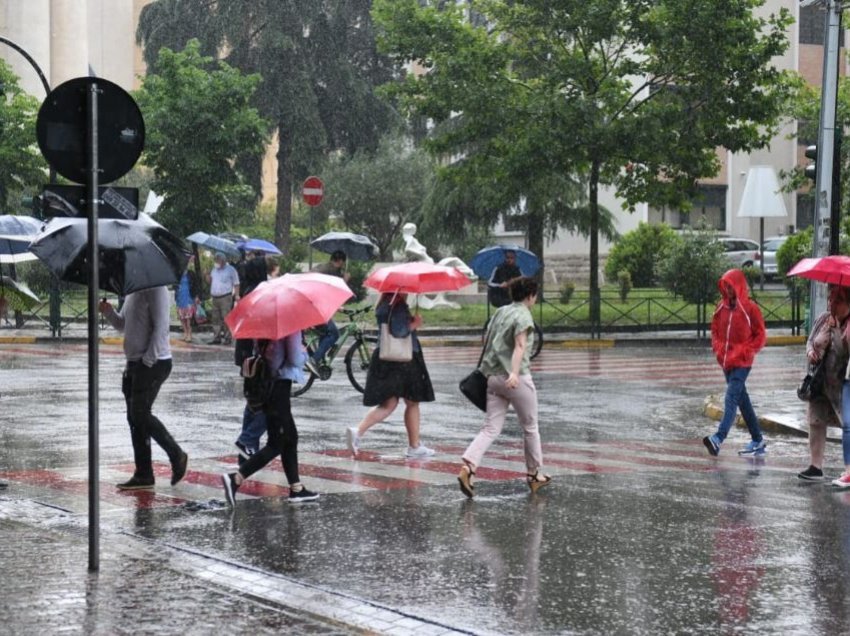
<point x="62" y="127"/>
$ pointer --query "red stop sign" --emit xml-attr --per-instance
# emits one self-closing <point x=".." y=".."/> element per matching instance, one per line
<point x="313" y="190"/>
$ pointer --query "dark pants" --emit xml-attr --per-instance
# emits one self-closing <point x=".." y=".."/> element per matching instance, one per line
<point x="140" y="386"/>
<point x="282" y="435"/>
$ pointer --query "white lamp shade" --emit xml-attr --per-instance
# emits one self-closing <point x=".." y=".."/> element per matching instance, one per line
<point x="762" y="197"/>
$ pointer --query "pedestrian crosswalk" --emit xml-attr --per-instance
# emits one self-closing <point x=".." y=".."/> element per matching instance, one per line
<point x="637" y="366"/>
<point x="334" y="471"/>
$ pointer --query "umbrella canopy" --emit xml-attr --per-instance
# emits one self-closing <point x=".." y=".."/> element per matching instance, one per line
<point x="257" y="245"/>
<point x="416" y="278"/>
<point x="355" y="246"/>
<point x="16" y="296"/>
<point x="833" y="269"/>
<point x="488" y="259"/>
<point x="279" y="307"/>
<point x="215" y="243"/>
<point x="16" y="233"/>
<point x="134" y="255"/>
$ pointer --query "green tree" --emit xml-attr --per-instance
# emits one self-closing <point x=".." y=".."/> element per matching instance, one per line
<point x="376" y="193"/>
<point x="640" y="252"/>
<point x="22" y="168"/>
<point x="632" y="94"/>
<point x="318" y="62"/>
<point x="693" y="266"/>
<point x="199" y="121"/>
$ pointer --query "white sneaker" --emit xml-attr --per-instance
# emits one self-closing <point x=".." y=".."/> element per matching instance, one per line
<point x="352" y="438"/>
<point x="419" y="451"/>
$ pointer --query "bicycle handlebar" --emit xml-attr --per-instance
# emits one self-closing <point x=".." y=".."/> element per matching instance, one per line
<point x="351" y="313"/>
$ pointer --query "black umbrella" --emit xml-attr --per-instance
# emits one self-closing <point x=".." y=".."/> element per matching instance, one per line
<point x="133" y="255"/>
<point x="16" y="232"/>
<point x="355" y="246"/>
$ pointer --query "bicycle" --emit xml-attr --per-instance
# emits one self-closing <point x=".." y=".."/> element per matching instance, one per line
<point x="357" y="358"/>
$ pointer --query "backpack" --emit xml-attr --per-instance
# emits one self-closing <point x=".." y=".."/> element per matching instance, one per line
<point x="257" y="380"/>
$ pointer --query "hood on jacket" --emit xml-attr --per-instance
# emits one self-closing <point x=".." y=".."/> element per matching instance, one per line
<point x="736" y="279"/>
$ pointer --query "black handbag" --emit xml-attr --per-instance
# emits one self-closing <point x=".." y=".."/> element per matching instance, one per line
<point x="474" y="386"/>
<point x="812" y="385"/>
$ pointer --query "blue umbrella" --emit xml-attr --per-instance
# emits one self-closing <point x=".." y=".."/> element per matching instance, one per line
<point x="215" y="243"/>
<point x="258" y="245"/>
<point x="488" y="259"/>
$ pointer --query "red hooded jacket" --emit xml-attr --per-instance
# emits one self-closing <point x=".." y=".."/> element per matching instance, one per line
<point x="737" y="328"/>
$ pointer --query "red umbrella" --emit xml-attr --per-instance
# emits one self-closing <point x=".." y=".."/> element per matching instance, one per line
<point x="282" y="306"/>
<point x="416" y="278"/>
<point x="834" y="269"/>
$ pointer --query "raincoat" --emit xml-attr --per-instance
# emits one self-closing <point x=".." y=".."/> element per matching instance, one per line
<point x="737" y="327"/>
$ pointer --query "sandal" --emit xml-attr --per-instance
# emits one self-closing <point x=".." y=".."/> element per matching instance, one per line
<point x="464" y="478"/>
<point x="537" y="481"/>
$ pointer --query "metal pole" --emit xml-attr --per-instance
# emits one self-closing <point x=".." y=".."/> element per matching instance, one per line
<point x="54" y="305"/>
<point x="826" y="148"/>
<point x="93" y="298"/>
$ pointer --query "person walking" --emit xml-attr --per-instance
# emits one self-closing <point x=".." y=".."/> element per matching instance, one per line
<point x="826" y="342"/>
<point x="388" y="382"/>
<point x="253" y="422"/>
<point x="187" y="296"/>
<point x="737" y="334"/>
<point x="329" y="332"/>
<point x="506" y="362"/>
<point x="224" y="289"/>
<point x="285" y="358"/>
<point x="144" y="319"/>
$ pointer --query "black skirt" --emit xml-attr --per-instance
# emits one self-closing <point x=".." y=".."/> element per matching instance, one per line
<point x="408" y="380"/>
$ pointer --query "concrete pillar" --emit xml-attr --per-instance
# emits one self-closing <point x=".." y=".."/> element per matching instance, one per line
<point x="27" y="24"/>
<point x="112" y="37"/>
<point x="69" y="40"/>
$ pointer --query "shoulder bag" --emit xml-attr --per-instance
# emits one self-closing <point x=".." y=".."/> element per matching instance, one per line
<point x="474" y="386"/>
<point x="392" y="349"/>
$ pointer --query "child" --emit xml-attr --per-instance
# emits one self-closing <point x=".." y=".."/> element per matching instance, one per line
<point x="737" y="334"/>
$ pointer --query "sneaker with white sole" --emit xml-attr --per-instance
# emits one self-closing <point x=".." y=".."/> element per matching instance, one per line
<point x="352" y="438"/>
<point x="842" y="482"/>
<point x="712" y="445"/>
<point x="300" y="496"/>
<point x="228" y="480"/>
<point x="812" y="473"/>
<point x="753" y="449"/>
<point x="419" y="451"/>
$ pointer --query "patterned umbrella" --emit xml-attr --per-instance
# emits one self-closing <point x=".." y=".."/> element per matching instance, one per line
<point x="16" y="232"/>
<point x="16" y="296"/>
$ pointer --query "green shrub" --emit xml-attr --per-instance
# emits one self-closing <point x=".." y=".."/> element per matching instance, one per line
<point x="624" y="284"/>
<point x="567" y="289"/>
<point x="694" y="265"/>
<point x="798" y="246"/>
<point x="752" y="274"/>
<point x="640" y="252"/>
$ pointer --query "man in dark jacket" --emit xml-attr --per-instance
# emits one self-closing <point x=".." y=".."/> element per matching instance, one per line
<point x="501" y="279"/>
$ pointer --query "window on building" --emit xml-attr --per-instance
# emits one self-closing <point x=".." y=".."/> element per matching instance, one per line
<point x="708" y="209"/>
<point x="812" y="25"/>
<point x="805" y="210"/>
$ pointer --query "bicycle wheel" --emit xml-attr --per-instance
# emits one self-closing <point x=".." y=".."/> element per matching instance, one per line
<point x="538" y="340"/>
<point x="299" y="388"/>
<point x="357" y="361"/>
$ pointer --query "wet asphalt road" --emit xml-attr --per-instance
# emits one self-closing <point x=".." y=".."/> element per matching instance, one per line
<point x="641" y="532"/>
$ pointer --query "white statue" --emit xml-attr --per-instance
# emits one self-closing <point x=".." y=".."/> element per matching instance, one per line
<point x="415" y="251"/>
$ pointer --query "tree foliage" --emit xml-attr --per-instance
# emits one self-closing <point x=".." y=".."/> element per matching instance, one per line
<point x="318" y="62"/>
<point x="376" y="193"/>
<point x="199" y="121"/>
<point x="693" y="266"/>
<point x="633" y="94"/>
<point x="640" y="253"/>
<point x="22" y="168"/>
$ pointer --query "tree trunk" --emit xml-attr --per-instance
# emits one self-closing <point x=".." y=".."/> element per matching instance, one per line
<point x="535" y="238"/>
<point x="283" y="212"/>
<point x="595" y="308"/>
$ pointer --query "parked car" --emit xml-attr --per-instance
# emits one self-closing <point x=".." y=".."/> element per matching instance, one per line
<point x="768" y="252"/>
<point x="740" y="251"/>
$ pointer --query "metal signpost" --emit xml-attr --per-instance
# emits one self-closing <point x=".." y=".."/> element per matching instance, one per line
<point x="313" y="191"/>
<point x="824" y="185"/>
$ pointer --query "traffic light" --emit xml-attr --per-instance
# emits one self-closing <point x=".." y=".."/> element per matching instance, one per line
<point x="811" y="170"/>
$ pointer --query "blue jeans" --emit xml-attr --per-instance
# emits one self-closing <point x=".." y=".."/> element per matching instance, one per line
<point x="845" y="421"/>
<point x="329" y="337"/>
<point x="737" y="397"/>
<point x="253" y="427"/>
